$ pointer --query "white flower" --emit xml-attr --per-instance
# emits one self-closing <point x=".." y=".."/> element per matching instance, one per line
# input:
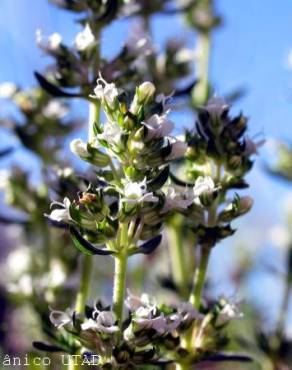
<point x="135" y="302"/>
<point x="204" y="185"/>
<point x="230" y="311"/>
<point x="173" y="322"/>
<point x="158" y="324"/>
<point x="158" y="126"/>
<point x="24" y="286"/>
<point x="55" y="109"/>
<point x="163" y="100"/>
<point x="136" y="192"/>
<point x="51" y="44"/>
<point x="18" y="261"/>
<point x="145" y="317"/>
<point x="187" y="310"/>
<point x="7" y="90"/>
<point x="103" y="323"/>
<point x="112" y="133"/>
<point x="178" y="199"/>
<point x="57" y="276"/>
<point x="178" y="149"/>
<point x="79" y="148"/>
<point x="60" y="318"/>
<point x="106" y="92"/>
<point x="61" y="214"/>
<point x="84" y="39"/>
<point x="144" y="311"/>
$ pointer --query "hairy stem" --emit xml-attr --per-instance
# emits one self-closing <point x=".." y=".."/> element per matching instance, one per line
<point x="177" y="256"/>
<point x="119" y="286"/>
<point x="84" y="288"/>
<point x="120" y="274"/>
<point x="200" y="277"/>
<point x="82" y="297"/>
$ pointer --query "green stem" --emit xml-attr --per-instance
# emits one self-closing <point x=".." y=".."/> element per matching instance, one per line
<point x="94" y="116"/>
<point x="119" y="286"/>
<point x="82" y="296"/>
<point x="201" y="270"/>
<point x="87" y="265"/>
<point x="84" y="288"/>
<point x="178" y="262"/>
<point x="120" y="273"/>
<point x="200" y="276"/>
<point x="201" y="89"/>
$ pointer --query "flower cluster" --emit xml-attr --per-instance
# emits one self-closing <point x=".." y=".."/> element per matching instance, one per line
<point x="133" y="151"/>
<point x="221" y="154"/>
<point x="150" y="335"/>
<point x="76" y="66"/>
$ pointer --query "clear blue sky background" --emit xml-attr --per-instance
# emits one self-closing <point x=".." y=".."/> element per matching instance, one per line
<point x="250" y="50"/>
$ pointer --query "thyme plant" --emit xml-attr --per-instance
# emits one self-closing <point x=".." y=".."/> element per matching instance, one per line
<point x="144" y="182"/>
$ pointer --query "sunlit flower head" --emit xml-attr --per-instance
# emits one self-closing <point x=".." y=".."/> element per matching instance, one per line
<point x="158" y="126"/>
<point x="49" y="44"/>
<point x="136" y="192"/>
<point x="106" y="92"/>
<point x="84" y="39"/>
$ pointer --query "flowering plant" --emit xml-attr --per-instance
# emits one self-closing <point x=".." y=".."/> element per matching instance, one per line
<point x="147" y="191"/>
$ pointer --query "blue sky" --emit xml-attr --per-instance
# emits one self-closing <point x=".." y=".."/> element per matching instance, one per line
<point x="250" y="51"/>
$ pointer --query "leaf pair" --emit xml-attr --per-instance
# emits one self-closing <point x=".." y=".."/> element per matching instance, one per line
<point x="87" y="248"/>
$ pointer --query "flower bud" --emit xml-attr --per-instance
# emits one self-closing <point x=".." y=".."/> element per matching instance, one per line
<point x="79" y="148"/>
<point x="245" y="204"/>
<point x="84" y="39"/>
<point x="89" y="153"/>
<point x="145" y="92"/>
<point x="235" y="162"/>
<point x="237" y="208"/>
<point x="139" y="135"/>
<point x="128" y="123"/>
<point x="135" y="146"/>
<point x="228" y="311"/>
